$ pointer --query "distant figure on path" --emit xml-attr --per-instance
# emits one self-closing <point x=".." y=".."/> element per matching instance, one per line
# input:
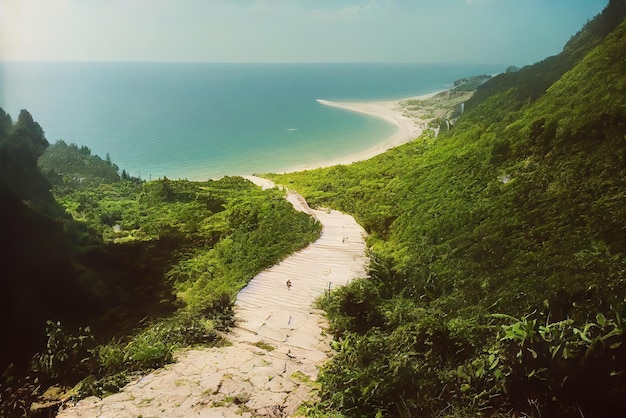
<point x="288" y="284"/>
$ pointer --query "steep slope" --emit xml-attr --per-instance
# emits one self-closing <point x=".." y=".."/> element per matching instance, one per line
<point x="532" y="81"/>
<point x="519" y="210"/>
<point x="39" y="280"/>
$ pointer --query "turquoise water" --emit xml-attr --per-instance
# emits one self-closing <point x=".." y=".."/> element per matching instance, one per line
<point x="198" y="121"/>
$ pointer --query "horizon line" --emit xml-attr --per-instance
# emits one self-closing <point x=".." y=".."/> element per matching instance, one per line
<point x="248" y="62"/>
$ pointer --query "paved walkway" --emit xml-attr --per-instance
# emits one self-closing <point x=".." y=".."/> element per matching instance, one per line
<point x="277" y="345"/>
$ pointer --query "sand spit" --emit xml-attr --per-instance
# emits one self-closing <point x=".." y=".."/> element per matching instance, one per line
<point x="277" y="345"/>
<point x="394" y="112"/>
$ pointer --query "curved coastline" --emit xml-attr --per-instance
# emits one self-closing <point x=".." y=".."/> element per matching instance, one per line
<point x="408" y="127"/>
<point x="391" y="111"/>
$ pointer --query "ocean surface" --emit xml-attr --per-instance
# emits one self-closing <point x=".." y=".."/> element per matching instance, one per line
<point x="201" y="120"/>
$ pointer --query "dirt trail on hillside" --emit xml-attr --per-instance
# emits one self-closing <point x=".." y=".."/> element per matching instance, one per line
<point x="277" y="345"/>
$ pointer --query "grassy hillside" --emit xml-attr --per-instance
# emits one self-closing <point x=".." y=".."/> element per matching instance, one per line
<point x="499" y="250"/>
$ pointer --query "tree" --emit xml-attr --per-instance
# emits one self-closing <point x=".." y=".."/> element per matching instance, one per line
<point x="27" y="129"/>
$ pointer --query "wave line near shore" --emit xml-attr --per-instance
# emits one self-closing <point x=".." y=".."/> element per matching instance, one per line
<point x="391" y="111"/>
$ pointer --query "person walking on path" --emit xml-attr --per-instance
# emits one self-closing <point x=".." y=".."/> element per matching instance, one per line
<point x="288" y="284"/>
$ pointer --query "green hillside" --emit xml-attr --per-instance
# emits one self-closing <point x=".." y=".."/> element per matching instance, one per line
<point x="105" y="275"/>
<point x="499" y="250"/>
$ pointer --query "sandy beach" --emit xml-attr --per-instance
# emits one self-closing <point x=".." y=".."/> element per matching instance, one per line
<point x="391" y="111"/>
<point x="409" y="125"/>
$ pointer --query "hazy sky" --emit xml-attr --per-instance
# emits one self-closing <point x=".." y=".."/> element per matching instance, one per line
<point x="463" y="31"/>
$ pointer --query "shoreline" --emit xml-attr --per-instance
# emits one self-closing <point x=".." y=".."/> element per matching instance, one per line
<point x="391" y="111"/>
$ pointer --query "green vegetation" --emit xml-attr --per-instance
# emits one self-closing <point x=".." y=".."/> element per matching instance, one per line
<point x="471" y="83"/>
<point x="35" y="247"/>
<point x="209" y="238"/>
<point x="265" y="346"/>
<point x="442" y="110"/>
<point x="497" y="277"/>
<point x="75" y="167"/>
<point x="139" y="269"/>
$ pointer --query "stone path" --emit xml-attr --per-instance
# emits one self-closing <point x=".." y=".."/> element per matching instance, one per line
<point x="277" y="345"/>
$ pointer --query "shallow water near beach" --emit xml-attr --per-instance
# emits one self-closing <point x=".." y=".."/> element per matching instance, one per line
<point x="200" y="120"/>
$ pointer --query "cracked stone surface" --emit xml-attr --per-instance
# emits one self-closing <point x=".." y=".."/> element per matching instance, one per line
<point x="277" y="345"/>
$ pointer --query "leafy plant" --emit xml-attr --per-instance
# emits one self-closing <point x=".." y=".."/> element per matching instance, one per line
<point x="66" y="356"/>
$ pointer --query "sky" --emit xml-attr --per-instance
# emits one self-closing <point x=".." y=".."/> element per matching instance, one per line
<point x="511" y="32"/>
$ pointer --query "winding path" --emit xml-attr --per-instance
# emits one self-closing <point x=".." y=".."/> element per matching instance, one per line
<point x="277" y="345"/>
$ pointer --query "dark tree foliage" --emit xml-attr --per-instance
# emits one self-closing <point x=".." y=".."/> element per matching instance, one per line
<point x="71" y="166"/>
<point x="38" y="277"/>
<point x="21" y="145"/>
<point x="6" y="123"/>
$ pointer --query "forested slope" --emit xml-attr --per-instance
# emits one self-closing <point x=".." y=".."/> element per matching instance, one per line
<point x="499" y="250"/>
<point x="104" y="275"/>
<point x="38" y="279"/>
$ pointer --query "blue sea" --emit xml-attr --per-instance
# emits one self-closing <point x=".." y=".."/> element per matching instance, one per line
<point x="207" y="120"/>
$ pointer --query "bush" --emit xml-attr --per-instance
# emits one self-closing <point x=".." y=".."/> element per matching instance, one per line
<point x="66" y="356"/>
<point x="148" y="350"/>
<point x="565" y="368"/>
